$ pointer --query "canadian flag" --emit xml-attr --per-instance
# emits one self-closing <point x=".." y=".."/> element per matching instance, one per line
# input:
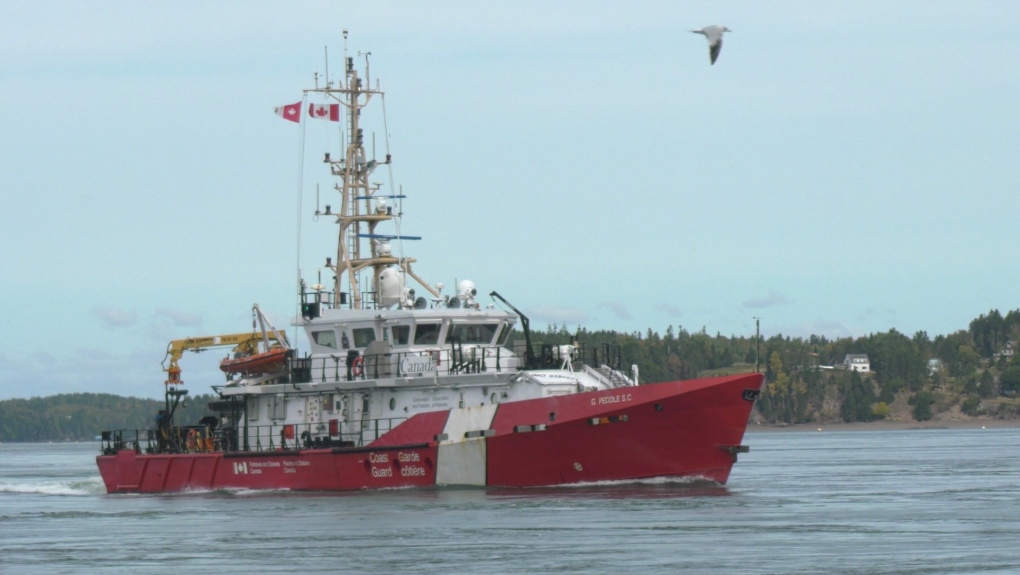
<point x="290" y="112"/>
<point x="329" y="112"/>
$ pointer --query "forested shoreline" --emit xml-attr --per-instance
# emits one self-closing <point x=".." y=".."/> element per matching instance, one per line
<point x="83" y="416"/>
<point x="973" y="377"/>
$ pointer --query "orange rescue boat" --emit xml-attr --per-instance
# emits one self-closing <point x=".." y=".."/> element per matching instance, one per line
<point x="256" y="364"/>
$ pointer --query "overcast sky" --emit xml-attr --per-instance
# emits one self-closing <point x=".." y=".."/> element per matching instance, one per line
<point x="843" y="169"/>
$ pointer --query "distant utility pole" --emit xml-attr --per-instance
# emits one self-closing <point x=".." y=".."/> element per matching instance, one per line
<point x="757" y="346"/>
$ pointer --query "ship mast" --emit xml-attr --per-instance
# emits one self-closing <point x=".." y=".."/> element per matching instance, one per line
<point x="362" y="208"/>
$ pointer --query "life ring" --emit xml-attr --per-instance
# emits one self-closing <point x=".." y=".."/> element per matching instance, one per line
<point x="358" y="366"/>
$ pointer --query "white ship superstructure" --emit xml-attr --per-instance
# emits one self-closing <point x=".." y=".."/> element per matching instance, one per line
<point x="381" y="355"/>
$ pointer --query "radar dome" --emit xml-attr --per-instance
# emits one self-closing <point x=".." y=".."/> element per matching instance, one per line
<point x="390" y="288"/>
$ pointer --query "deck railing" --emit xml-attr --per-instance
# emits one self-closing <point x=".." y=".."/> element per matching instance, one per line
<point x="251" y="438"/>
<point x="453" y="359"/>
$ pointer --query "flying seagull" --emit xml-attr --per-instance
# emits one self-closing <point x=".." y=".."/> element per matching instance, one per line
<point x="714" y="35"/>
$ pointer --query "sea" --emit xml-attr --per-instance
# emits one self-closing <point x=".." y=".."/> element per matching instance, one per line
<point x="867" y="502"/>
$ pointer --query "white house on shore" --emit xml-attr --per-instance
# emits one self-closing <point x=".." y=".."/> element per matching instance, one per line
<point x="856" y="362"/>
<point x="1007" y="350"/>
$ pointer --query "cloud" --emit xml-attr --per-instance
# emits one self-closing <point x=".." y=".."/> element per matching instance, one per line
<point x="774" y="298"/>
<point x="867" y="314"/>
<point x="617" y="308"/>
<point x="669" y="309"/>
<point x="555" y="314"/>
<point x="114" y="318"/>
<point x="827" y="328"/>
<point x="179" y="318"/>
<point x="84" y="369"/>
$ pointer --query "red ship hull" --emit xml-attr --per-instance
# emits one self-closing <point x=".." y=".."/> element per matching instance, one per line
<point x="692" y="428"/>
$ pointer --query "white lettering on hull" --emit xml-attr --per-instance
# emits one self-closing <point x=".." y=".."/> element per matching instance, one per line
<point x="412" y="471"/>
<point x="421" y="364"/>
<point x="383" y="465"/>
<point x="611" y="399"/>
<point x="256" y="467"/>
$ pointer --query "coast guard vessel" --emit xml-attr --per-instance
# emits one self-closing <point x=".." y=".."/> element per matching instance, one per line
<point x="405" y="386"/>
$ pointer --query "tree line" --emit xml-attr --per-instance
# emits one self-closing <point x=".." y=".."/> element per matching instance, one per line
<point x="969" y="372"/>
<point x="82" y="416"/>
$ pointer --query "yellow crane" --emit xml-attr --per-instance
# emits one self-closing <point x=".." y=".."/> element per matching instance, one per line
<point x="243" y="343"/>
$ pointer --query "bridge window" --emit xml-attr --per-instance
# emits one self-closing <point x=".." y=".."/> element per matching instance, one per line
<point x="401" y="334"/>
<point x="507" y="328"/>
<point x="474" y="332"/>
<point x="427" y="334"/>
<point x="363" y="336"/>
<point x="325" y="338"/>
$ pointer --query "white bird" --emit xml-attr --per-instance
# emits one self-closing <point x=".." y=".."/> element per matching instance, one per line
<point x="714" y="35"/>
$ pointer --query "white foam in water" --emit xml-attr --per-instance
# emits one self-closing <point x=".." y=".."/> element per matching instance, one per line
<point x="231" y="491"/>
<point x="254" y="492"/>
<point x="90" y="486"/>
<point x="690" y="480"/>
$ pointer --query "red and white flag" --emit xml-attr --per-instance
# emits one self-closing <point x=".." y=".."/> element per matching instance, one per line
<point x="329" y="112"/>
<point x="290" y="112"/>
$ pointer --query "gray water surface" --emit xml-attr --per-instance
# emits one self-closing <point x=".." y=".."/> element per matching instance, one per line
<point x="855" y="502"/>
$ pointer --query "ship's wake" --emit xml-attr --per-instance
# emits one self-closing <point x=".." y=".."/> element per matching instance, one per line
<point x="72" y="487"/>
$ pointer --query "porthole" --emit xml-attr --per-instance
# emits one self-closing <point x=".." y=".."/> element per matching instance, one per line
<point x="393" y="403"/>
<point x="492" y="398"/>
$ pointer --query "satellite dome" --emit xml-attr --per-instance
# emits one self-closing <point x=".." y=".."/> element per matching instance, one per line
<point x="391" y="284"/>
